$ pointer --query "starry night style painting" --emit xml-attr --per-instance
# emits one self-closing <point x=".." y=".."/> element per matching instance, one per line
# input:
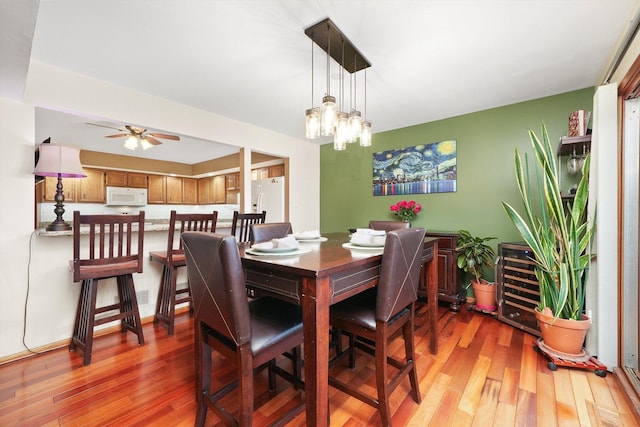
<point x="423" y="169"/>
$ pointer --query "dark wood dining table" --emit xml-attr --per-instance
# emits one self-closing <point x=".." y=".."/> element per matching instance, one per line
<point x="325" y="275"/>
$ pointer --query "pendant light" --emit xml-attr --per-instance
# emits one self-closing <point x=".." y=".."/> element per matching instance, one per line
<point x="346" y="126"/>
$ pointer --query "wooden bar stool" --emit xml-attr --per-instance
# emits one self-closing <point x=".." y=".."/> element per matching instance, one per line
<point x="110" y="251"/>
<point x="173" y="258"/>
<point x="241" y="225"/>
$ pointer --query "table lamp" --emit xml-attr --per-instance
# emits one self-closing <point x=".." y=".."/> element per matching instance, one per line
<point x="60" y="161"/>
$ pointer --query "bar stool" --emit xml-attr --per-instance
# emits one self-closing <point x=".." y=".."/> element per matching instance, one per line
<point x="173" y="258"/>
<point x="241" y="225"/>
<point x="110" y="251"/>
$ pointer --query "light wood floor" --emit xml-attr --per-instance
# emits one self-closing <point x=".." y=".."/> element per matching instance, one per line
<point x="486" y="373"/>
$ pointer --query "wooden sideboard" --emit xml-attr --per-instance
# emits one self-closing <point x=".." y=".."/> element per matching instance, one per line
<point x="448" y="287"/>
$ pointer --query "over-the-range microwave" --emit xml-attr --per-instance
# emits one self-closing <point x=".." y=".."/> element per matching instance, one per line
<point x="124" y="196"/>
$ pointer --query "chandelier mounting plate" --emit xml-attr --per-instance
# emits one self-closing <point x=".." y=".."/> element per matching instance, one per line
<point x="325" y="33"/>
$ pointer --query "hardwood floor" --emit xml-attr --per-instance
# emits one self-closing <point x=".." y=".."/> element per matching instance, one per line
<point x="486" y="373"/>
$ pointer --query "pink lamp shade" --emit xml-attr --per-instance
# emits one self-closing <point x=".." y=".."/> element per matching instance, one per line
<point x="59" y="159"/>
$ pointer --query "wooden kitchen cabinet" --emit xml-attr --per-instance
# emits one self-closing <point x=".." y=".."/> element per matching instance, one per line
<point x="136" y="180"/>
<point x="233" y="181"/>
<point x="219" y="190"/>
<point x="189" y="191"/>
<point x="174" y="190"/>
<point x="448" y="289"/>
<point x="91" y="189"/>
<point x="156" y="189"/>
<point x="50" y="188"/>
<point x="115" y="178"/>
<point x="77" y="190"/>
<point x="203" y="190"/>
<point x="267" y="172"/>
<point x="276" y="171"/>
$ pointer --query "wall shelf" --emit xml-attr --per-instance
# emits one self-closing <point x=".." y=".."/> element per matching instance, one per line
<point x="570" y="143"/>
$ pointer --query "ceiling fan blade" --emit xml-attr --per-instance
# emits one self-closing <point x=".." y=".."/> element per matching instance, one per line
<point x="119" y="135"/>
<point x="103" y="126"/>
<point x="152" y="140"/>
<point x="165" y="136"/>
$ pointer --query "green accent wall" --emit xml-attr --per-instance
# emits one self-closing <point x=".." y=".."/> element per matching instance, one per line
<point x="486" y="142"/>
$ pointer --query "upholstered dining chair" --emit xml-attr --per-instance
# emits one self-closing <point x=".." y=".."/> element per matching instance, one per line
<point x="241" y="225"/>
<point x="270" y="230"/>
<point x="172" y="259"/>
<point x="250" y="334"/>
<point x="388" y="225"/>
<point x="370" y="318"/>
<point x="112" y="248"/>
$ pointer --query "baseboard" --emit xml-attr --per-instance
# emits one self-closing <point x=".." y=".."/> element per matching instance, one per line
<point x="65" y="343"/>
<point x="630" y="392"/>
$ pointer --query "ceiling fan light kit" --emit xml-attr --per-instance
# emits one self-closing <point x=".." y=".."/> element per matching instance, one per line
<point x="328" y="120"/>
<point x="138" y="136"/>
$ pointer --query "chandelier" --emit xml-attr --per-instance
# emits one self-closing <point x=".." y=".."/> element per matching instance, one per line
<point x="345" y="125"/>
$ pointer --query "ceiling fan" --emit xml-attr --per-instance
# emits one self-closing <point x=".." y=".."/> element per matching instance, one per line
<point x="136" y="134"/>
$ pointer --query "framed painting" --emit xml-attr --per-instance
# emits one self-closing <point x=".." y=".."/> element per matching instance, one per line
<point x="422" y="169"/>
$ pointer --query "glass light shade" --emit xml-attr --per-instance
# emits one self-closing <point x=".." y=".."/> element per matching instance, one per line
<point x="342" y="128"/>
<point x="339" y="145"/>
<point x="328" y="115"/>
<point x="312" y="123"/>
<point x="145" y="144"/>
<point x="131" y="143"/>
<point x="365" y="134"/>
<point x="355" y="125"/>
<point x="60" y="160"/>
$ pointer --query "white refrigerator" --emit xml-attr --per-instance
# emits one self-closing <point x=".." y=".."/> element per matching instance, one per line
<point x="267" y="194"/>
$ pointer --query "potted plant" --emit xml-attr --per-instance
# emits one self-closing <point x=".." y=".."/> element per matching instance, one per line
<point x="474" y="254"/>
<point x="560" y="238"/>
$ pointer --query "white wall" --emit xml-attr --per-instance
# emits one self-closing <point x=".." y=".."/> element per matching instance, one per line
<point x="39" y="265"/>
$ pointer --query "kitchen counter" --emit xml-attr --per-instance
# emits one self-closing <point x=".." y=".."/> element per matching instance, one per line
<point x="224" y="224"/>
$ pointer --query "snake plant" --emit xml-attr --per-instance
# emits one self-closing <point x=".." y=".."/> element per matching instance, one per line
<point x="559" y="233"/>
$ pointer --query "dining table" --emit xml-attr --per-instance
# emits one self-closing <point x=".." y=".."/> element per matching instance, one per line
<point x="320" y="272"/>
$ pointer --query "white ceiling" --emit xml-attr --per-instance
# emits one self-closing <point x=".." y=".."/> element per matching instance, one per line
<point x="251" y="61"/>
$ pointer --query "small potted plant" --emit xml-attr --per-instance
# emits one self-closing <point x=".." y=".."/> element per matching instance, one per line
<point x="473" y="255"/>
<point x="406" y="210"/>
<point x="560" y="236"/>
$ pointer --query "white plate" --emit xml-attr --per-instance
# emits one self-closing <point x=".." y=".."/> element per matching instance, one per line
<point x="362" y="248"/>
<point x="369" y="245"/>
<point x="296" y="251"/>
<point x="274" y="250"/>
<point x="314" y="240"/>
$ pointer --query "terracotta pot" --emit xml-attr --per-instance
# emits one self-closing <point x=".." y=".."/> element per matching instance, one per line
<point x="563" y="335"/>
<point x="485" y="293"/>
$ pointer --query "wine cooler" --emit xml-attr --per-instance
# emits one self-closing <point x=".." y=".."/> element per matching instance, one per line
<point x="518" y="291"/>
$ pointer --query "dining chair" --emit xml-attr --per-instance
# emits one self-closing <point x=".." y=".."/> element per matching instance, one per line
<point x="172" y="259"/>
<point x="372" y="317"/>
<point x="388" y="225"/>
<point x="112" y="248"/>
<point x="269" y="230"/>
<point x="250" y="333"/>
<point x="240" y="225"/>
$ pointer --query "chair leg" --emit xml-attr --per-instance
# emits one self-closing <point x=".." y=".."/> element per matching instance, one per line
<point x="129" y="305"/>
<point x="408" y="332"/>
<point x="85" y="319"/>
<point x="245" y="390"/>
<point x="162" y="291"/>
<point x="381" y="376"/>
<point x="173" y="279"/>
<point x="203" y="374"/>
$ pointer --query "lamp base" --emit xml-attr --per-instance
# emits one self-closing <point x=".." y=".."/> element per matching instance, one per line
<point x="59" y="225"/>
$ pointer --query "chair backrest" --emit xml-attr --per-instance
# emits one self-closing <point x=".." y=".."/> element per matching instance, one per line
<point x="270" y="230"/>
<point x="217" y="284"/>
<point x="111" y="248"/>
<point x="181" y="222"/>
<point x="241" y="225"/>
<point x="388" y="225"/>
<point x="400" y="271"/>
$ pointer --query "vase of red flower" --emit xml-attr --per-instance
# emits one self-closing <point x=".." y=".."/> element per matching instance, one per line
<point x="406" y="210"/>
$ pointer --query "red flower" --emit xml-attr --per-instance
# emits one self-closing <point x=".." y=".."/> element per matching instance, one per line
<point x="406" y="210"/>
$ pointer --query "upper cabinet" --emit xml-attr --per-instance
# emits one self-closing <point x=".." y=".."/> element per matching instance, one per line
<point x="189" y="191"/>
<point x="267" y="172"/>
<point x="157" y="189"/>
<point x="86" y="190"/>
<point x="125" y="179"/>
